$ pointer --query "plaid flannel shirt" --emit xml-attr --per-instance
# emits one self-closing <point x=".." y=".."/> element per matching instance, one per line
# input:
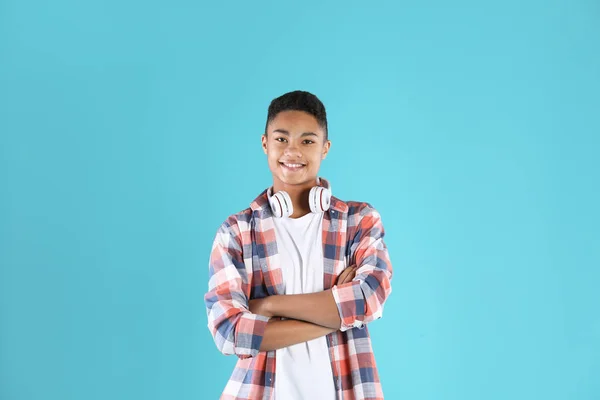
<point x="244" y="264"/>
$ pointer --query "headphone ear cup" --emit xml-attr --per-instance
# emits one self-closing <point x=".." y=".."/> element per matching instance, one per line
<point x="281" y="205"/>
<point x="319" y="199"/>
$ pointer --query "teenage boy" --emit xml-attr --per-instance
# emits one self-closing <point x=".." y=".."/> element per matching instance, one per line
<point x="296" y="277"/>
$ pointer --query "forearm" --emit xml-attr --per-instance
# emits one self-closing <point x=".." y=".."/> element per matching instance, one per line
<point x="279" y="334"/>
<point x="319" y="308"/>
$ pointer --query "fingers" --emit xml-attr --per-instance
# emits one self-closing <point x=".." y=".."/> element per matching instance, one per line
<point x="351" y="274"/>
<point x="347" y="275"/>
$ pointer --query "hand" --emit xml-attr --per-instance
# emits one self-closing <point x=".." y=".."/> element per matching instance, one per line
<point x="260" y="307"/>
<point x="347" y="275"/>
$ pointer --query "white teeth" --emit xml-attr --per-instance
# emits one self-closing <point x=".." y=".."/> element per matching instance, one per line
<point x="293" y="165"/>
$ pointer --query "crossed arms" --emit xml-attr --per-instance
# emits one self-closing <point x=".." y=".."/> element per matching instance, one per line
<point x="245" y="327"/>
<point x="313" y="315"/>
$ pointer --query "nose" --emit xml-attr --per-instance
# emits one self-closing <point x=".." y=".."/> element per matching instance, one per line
<point x="292" y="151"/>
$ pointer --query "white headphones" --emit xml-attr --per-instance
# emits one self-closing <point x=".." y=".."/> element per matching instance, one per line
<point x="319" y="200"/>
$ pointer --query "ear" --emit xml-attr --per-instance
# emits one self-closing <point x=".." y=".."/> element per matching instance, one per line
<point x="326" y="148"/>
<point x="264" y="142"/>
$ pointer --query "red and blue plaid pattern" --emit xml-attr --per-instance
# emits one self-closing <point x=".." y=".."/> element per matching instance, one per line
<point x="244" y="264"/>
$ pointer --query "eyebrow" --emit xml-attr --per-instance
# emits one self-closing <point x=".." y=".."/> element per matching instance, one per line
<point x="303" y="135"/>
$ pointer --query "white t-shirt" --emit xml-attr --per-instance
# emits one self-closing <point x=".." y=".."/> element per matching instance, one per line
<point x="302" y="371"/>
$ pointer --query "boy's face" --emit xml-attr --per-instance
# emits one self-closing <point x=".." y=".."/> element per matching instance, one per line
<point x="295" y="146"/>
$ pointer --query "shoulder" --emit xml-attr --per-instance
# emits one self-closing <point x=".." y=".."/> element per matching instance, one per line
<point x="359" y="209"/>
<point x="237" y="222"/>
<point x="361" y="214"/>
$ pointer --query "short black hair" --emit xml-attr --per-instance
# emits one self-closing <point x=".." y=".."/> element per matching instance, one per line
<point x="298" y="100"/>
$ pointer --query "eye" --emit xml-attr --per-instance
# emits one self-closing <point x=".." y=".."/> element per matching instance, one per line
<point x="308" y="141"/>
<point x="280" y="139"/>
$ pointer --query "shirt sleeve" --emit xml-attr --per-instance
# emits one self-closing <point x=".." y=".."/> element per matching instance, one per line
<point x="361" y="300"/>
<point x="234" y="328"/>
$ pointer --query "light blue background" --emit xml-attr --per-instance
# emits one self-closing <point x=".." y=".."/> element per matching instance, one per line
<point x="130" y="130"/>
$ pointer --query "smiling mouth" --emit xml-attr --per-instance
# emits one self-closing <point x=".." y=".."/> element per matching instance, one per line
<point x="292" y="166"/>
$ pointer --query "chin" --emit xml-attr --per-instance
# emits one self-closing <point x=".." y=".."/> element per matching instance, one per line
<point x="297" y="180"/>
<point x="290" y="180"/>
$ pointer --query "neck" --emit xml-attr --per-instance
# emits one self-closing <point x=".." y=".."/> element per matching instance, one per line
<point x="299" y="195"/>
